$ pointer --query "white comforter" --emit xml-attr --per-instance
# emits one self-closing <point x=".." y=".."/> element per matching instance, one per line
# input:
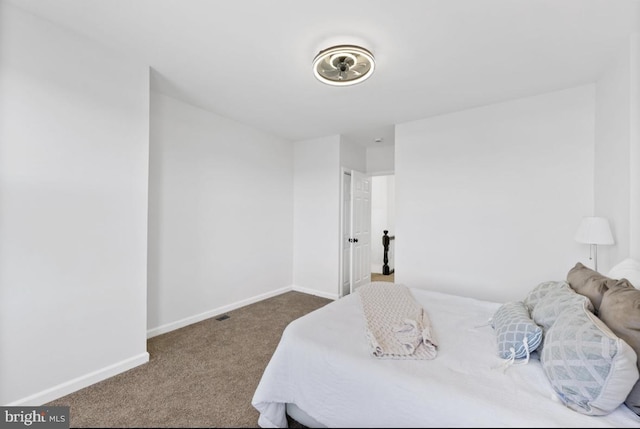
<point x="323" y="365"/>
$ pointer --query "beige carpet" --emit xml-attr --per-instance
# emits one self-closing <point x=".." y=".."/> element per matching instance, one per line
<point x="203" y="375"/>
<point x="376" y="277"/>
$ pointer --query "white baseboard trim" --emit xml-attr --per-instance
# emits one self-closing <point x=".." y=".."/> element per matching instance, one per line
<point x="168" y="327"/>
<point x="83" y="381"/>
<point x="332" y="296"/>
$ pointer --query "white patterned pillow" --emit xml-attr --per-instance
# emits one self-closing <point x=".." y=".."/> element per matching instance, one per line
<point x="533" y="297"/>
<point x="516" y="334"/>
<point x="589" y="367"/>
<point x="555" y="302"/>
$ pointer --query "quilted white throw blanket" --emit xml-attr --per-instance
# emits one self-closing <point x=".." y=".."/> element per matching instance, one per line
<point x="397" y="326"/>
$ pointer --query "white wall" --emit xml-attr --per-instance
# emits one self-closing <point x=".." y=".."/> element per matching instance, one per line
<point x="220" y="215"/>
<point x="488" y="200"/>
<point x="617" y="153"/>
<point x="634" y="149"/>
<point x="316" y="222"/>
<point x="391" y="204"/>
<point x="73" y="210"/>
<point x="380" y="160"/>
<point x="352" y="156"/>
<point x="612" y="161"/>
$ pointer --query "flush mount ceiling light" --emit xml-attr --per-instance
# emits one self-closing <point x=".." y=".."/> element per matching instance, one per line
<point x="343" y="65"/>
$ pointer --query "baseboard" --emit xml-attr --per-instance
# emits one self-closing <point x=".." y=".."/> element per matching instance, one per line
<point x="168" y="327"/>
<point x="332" y="296"/>
<point x="81" y="382"/>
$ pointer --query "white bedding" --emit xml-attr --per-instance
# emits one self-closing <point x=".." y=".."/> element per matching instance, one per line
<point x="323" y="365"/>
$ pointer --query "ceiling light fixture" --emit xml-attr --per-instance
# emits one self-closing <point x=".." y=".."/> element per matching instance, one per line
<point x="343" y="65"/>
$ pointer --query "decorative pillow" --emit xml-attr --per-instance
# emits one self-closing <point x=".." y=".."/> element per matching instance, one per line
<point x="589" y="283"/>
<point x="620" y="311"/>
<point x="590" y="368"/>
<point x="555" y="302"/>
<point x="628" y="269"/>
<point x="540" y="291"/>
<point x="516" y="334"/>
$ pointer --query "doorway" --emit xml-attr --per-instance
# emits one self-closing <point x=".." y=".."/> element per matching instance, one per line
<point x="383" y="220"/>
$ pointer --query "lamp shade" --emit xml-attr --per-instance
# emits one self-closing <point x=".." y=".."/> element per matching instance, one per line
<point x="594" y="230"/>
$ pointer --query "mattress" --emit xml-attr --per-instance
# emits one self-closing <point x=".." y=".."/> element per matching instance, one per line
<point x="323" y="365"/>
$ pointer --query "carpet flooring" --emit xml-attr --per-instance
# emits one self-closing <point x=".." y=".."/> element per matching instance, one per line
<point x="202" y="375"/>
<point x="377" y="277"/>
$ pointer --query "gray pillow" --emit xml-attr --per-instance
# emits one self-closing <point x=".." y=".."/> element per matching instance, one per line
<point x="516" y="334"/>
<point x="556" y="301"/>
<point x="538" y="292"/>
<point x="589" y="283"/>
<point x="590" y="368"/>
<point x="620" y="310"/>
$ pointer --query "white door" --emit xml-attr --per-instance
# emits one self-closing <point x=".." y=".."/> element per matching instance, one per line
<point x="360" y="236"/>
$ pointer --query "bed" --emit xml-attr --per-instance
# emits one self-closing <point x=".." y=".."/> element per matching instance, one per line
<point x="323" y="375"/>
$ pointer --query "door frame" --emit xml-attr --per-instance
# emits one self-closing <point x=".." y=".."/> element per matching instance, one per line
<point x="343" y="172"/>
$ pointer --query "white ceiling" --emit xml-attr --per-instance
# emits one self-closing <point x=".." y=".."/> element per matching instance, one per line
<point x="250" y="60"/>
